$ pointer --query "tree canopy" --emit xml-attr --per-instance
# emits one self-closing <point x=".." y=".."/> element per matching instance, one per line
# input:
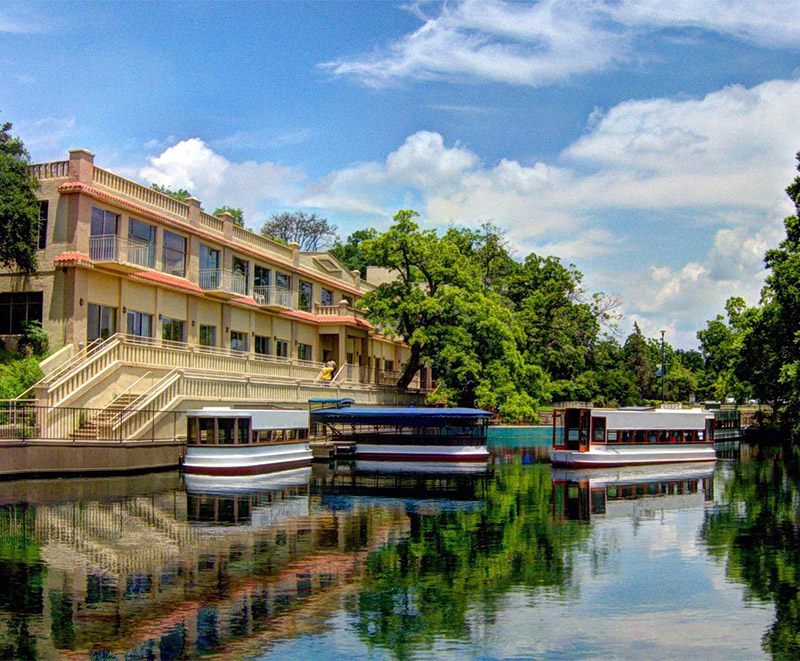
<point x="310" y="231"/>
<point x="19" y="207"/>
<point x="181" y="194"/>
<point x="236" y="212"/>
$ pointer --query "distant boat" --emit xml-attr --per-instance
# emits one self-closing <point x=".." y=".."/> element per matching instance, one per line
<point x="230" y="442"/>
<point x="406" y="434"/>
<point x="590" y="438"/>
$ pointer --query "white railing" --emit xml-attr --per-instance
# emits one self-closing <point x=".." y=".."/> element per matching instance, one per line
<point x="211" y="222"/>
<point x="138" y="192"/>
<point x="54" y="170"/>
<point x="222" y="280"/>
<point x="113" y="248"/>
<point x="272" y="295"/>
<point x="262" y="242"/>
<point x="337" y="311"/>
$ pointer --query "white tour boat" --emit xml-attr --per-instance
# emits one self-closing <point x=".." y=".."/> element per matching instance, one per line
<point x="226" y="441"/>
<point x="587" y="438"/>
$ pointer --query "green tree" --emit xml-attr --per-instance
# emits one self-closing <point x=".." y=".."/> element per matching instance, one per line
<point x="310" y="231"/>
<point x="236" y="212"/>
<point x="181" y="194"/>
<point x="351" y="253"/>
<point x="639" y="362"/>
<point x="19" y="208"/>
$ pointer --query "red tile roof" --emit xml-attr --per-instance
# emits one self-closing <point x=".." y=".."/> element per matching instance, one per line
<point x="168" y="280"/>
<point x="335" y="319"/>
<point x="245" y="300"/>
<point x="72" y="257"/>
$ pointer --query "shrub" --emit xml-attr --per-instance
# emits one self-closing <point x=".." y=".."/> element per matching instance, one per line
<point x="34" y="340"/>
<point x="17" y="376"/>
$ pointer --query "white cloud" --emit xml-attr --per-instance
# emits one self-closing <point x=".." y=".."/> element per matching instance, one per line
<point x="48" y="134"/>
<point x="191" y="164"/>
<point x="537" y="43"/>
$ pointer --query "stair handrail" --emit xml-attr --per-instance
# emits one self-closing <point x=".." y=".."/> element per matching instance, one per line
<point x="167" y="382"/>
<point x="138" y="404"/>
<point x="336" y="377"/>
<point x="66" y="365"/>
<point x="100" y="352"/>
<point x="128" y="389"/>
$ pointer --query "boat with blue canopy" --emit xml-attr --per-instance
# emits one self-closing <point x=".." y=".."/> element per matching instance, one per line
<point x="405" y="433"/>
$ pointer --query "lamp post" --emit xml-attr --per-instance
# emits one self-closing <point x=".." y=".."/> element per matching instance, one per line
<point x="663" y="371"/>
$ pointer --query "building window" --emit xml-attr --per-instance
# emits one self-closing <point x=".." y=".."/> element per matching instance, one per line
<point x="209" y="267"/>
<point x="101" y="322"/>
<point x="18" y="307"/>
<point x="282" y="348"/>
<point x="238" y="341"/>
<point x="388" y="365"/>
<point x="144" y="238"/>
<point x="140" y="324"/>
<point x="208" y="336"/>
<point x="241" y="275"/>
<point x="283" y="281"/>
<point x="174" y="254"/>
<point x="304" y="352"/>
<point x="261" y="277"/>
<point x="104" y="223"/>
<point x="305" y="295"/>
<point x="41" y="228"/>
<point x="327" y="297"/>
<point x="173" y="329"/>
<point x="262" y="345"/>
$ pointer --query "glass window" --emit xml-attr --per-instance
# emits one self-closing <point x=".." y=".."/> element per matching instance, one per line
<point x="206" y="431"/>
<point x="208" y="336"/>
<point x="19" y="307"/>
<point x="174" y="254"/>
<point x="103" y="222"/>
<point x="140" y="323"/>
<point x="209" y="257"/>
<point x="283" y="281"/>
<point x="173" y="329"/>
<point x="282" y="348"/>
<point x="261" y="276"/>
<point x="238" y="341"/>
<point x="144" y="234"/>
<point x="262" y="344"/>
<point x="243" y="431"/>
<point x="225" y="427"/>
<point x="241" y="275"/>
<point x="101" y="322"/>
<point x="41" y="229"/>
<point x="327" y="297"/>
<point x="599" y="434"/>
<point x="388" y="365"/>
<point x="305" y="295"/>
<point x="304" y="352"/>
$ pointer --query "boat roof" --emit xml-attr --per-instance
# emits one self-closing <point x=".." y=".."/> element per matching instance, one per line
<point x="399" y="416"/>
<point x="260" y="418"/>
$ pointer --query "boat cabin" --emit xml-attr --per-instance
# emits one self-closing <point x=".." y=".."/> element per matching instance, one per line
<point x="577" y="429"/>
<point x="226" y="426"/>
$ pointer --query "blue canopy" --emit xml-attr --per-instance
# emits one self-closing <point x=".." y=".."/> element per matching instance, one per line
<point x="418" y="417"/>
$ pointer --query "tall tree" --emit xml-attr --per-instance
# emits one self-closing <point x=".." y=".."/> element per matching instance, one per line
<point x="310" y="231"/>
<point x="236" y="212"/>
<point x="638" y="360"/>
<point x="19" y="208"/>
<point x="351" y="253"/>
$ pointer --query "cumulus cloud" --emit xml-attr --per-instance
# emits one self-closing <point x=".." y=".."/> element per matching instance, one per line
<point x="537" y="43"/>
<point x="193" y="165"/>
<point x="716" y="165"/>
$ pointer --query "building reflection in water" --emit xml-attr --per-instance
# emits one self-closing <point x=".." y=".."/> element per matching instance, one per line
<point x="108" y="572"/>
<point x="632" y="492"/>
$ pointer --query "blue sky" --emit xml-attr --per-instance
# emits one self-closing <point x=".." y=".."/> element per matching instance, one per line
<point x="647" y="142"/>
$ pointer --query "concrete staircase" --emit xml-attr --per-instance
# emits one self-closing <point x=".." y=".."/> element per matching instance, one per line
<point x="100" y="426"/>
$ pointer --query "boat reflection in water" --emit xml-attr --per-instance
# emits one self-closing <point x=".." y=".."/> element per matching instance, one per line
<point x="583" y="495"/>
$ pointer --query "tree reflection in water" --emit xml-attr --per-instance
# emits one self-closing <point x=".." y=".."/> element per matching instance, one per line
<point x="756" y="533"/>
<point x="446" y="578"/>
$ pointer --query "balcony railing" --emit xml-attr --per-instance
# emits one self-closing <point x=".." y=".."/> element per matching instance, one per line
<point x="273" y="296"/>
<point x="113" y="248"/>
<point x="221" y="280"/>
<point x="341" y="310"/>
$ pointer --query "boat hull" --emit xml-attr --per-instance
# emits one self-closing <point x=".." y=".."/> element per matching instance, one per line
<point x="610" y="456"/>
<point x="245" y="459"/>
<point x="454" y="453"/>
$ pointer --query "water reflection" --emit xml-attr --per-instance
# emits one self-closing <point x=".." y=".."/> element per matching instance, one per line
<point x="360" y="559"/>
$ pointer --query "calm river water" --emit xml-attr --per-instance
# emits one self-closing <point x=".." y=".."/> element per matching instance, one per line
<point x="363" y="561"/>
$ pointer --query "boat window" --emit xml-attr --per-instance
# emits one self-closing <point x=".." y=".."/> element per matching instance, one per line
<point x="599" y="430"/>
<point x="289" y="434"/>
<point x="225" y="427"/>
<point x="302" y="433"/>
<point x="640" y="436"/>
<point x="691" y="436"/>
<point x="277" y="436"/>
<point x="663" y="436"/>
<point x="679" y="437"/>
<point x="205" y="434"/>
<point x="243" y="431"/>
<point x="626" y="436"/>
<point x="700" y="435"/>
<point x="652" y="436"/>
<point x="612" y="436"/>
<point x="191" y="431"/>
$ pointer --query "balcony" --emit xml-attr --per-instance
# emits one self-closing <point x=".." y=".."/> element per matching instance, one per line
<point x="119" y="253"/>
<point x="272" y="297"/>
<point x="227" y="284"/>
<point x="340" y="310"/>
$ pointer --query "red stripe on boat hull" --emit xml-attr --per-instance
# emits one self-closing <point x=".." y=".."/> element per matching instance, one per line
<point x="616" y="464"/>
<point x="246" y="470"/>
